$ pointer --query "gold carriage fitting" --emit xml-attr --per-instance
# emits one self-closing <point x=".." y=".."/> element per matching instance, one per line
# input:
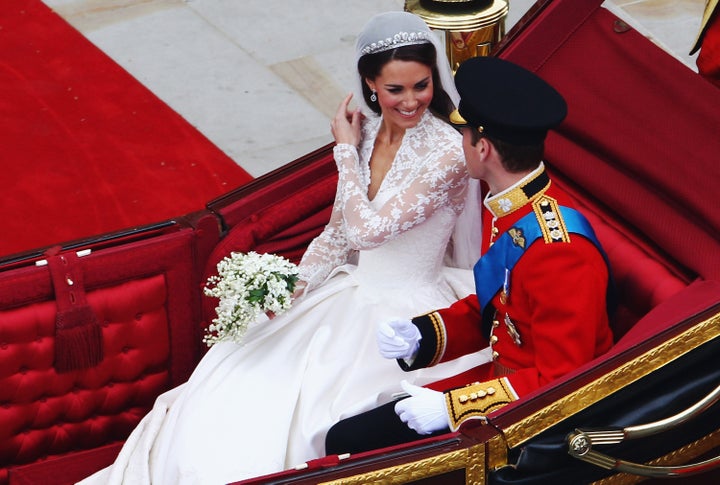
<point x="471" y="28"/>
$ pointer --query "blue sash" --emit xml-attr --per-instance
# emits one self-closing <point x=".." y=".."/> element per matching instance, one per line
<point x="492" y="268"/>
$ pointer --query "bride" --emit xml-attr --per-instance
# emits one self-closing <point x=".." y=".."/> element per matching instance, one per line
<point x="266" y="404"/>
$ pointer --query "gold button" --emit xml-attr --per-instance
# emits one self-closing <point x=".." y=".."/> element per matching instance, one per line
<point x="495" y="355"/>
<point x="495" y="230"/>
<point x="496" y="324"/>
<point x="493" y="339"/>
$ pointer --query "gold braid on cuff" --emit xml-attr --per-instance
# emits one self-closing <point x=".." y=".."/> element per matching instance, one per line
<point x="477" y="400"/>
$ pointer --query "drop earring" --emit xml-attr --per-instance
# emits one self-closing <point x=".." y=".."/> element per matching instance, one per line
<point x="373" y="96"/>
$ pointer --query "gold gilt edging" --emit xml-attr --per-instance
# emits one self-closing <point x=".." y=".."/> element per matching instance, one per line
<point x="611" y="382"/>
<point x="678" y="457"/>
<point x="496" y="453"/>
<point x="471" y="459"/>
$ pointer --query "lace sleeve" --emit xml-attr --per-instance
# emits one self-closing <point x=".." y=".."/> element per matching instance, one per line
<point x="327" y="251"/>
<point x="424" y="177"/>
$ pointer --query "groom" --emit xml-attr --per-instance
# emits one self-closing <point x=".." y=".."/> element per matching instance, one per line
<point x="542" y="283"/>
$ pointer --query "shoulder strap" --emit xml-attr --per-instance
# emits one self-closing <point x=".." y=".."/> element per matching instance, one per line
<point x="507" y="250"/>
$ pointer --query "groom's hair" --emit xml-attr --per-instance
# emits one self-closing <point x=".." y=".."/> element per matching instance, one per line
<point x="515" y="158"/>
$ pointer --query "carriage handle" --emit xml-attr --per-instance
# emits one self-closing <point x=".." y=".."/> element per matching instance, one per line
<point x="581" y="441"/>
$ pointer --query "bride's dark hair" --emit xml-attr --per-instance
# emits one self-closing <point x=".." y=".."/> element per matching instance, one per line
<point x="370" y="65"/>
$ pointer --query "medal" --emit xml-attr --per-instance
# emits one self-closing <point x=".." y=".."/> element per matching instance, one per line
<point x="512" y="331"/>
<point x="505" y="293"/>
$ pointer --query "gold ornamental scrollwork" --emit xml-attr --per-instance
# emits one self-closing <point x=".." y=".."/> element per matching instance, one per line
<point x="471" y="459"/>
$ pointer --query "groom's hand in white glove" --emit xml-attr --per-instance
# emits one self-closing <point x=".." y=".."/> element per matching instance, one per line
<point x="424" y="411"/>
<point x="399" y="339"/>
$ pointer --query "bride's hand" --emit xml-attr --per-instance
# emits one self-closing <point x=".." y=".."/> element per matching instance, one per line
<point x="345" y="126"/>
<point x="299" y="288"/>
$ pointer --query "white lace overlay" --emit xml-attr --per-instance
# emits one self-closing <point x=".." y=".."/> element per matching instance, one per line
<point x="266" y="405"/>
<point x="427" y="176"/>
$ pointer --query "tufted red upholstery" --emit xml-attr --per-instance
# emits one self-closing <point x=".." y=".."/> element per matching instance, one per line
<point x="146" y="300"/>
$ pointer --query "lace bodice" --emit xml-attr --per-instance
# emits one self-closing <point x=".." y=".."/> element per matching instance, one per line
<point x="427" y="180"/>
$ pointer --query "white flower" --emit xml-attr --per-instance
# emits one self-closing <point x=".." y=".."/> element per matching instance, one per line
<point x="247" y="286"/>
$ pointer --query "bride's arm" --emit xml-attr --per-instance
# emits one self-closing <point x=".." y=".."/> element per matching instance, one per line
<point x="327" y="251"/>
<point x="440" y="184"/>
<point x="331" y="249"/>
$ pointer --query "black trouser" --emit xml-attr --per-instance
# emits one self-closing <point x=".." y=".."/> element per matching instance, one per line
<point x="377" y="428"/>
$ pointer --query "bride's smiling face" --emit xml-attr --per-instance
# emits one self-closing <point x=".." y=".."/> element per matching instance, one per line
<point x="404" y="91"/>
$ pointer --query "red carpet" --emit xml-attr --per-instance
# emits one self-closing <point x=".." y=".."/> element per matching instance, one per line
<point x="86" y="149"/>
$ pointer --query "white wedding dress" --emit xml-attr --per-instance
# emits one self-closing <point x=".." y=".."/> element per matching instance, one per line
<point x="265" y="405"/>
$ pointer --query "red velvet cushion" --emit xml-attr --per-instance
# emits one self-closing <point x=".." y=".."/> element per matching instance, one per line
<point x="66" y="470"/>
<point x="145" y="297"/>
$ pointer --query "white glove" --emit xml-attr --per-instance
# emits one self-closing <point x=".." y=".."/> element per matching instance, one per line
<point x="399" y="339"/>
<point x="424" y="411"/>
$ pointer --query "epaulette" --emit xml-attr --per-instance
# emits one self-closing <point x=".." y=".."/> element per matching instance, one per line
<point x="550" y="219"/>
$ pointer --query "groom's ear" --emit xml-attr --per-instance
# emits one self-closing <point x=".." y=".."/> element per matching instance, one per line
<point x="484" y="147"/>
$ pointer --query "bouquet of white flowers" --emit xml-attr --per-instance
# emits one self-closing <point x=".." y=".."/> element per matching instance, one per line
<point x="248" y="285"/>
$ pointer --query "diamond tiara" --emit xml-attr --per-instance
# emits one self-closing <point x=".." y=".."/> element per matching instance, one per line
<point x="398" y="40"/>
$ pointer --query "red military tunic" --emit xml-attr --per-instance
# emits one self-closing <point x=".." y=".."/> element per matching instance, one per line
<point x="550" y="317"/>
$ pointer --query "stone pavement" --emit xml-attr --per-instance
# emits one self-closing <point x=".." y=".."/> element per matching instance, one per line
<point x="261" y="78"/>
